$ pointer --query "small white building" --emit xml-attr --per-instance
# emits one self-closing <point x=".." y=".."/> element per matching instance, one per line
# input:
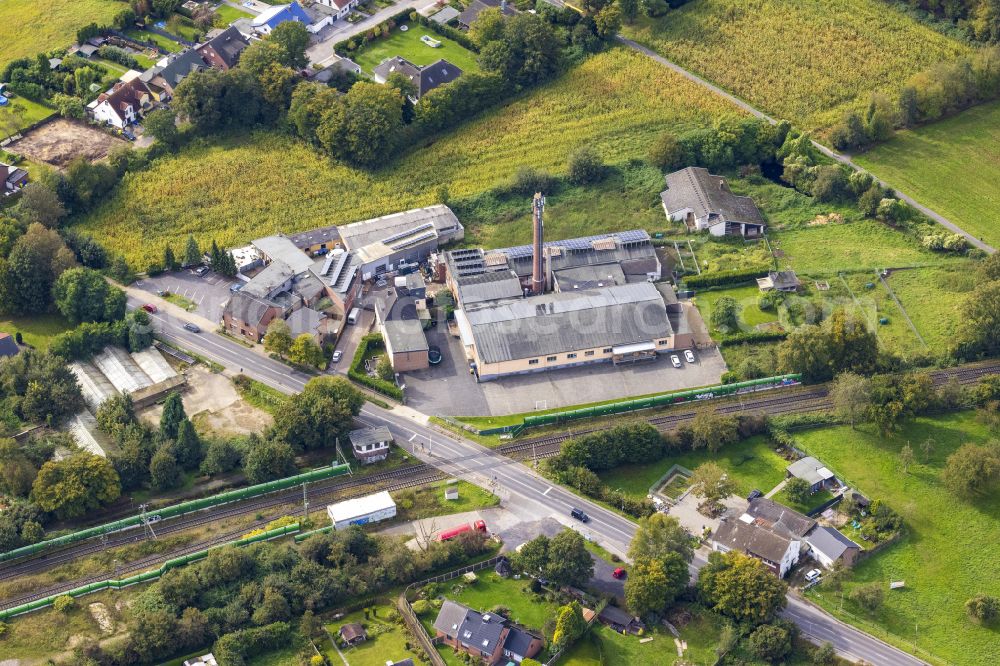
<point x="778" y="551"/>
<point x="362" y="510"/>
<point x="203" y="660"/>
<point x="371" y="445"/>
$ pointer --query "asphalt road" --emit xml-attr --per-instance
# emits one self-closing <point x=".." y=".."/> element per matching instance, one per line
<point x="516" y="484"/>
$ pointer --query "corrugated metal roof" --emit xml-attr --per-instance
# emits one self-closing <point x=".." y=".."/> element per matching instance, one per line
<point x="568" y="321"/>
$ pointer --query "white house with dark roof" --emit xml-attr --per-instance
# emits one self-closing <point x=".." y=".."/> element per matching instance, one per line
<point x="813" y="472"/>
<point x="371" y="445"/>
<point x="703" y="201"/>
<point x="489" y="637"/>
<point x="777" y="550"/>
<point x="828" y="546"/>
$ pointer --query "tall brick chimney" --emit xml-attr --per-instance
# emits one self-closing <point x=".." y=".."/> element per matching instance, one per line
<point x="537" y="267"/>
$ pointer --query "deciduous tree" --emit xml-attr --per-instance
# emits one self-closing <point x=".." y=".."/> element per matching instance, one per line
<point x="740" y="587"/>
<point x="659" y="535"/>
<point x="653" y="584"/>
<point x="75" y="485"/>
<point x="971" y="470"/>
<point x="569" y="562"/>
<point x="711" y="482"/>
<point x="851" y="395"/>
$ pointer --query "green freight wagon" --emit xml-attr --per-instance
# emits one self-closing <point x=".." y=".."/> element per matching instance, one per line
<point x="661" y="400"/>
<point x="179" y="510"/>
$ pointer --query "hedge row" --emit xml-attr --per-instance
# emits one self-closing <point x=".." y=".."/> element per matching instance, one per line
<point x="752" y="336"/>
<point x="357" y="373"/>
<point x="723" y="277"/>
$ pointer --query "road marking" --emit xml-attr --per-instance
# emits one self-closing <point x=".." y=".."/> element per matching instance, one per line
<point x="412" y="437"/>
<point x="547" y="491"/>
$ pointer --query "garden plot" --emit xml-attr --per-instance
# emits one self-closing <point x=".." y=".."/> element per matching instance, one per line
<point x="59" y="142"/>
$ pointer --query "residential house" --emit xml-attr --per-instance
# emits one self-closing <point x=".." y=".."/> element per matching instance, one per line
<point x="12" y="178"/>
<point x="778" y="551"/>
<point x="476" y="7"/>
<point x="248" y="316"/>
<point x="341" y="65"/>
<point x="814" y="473"/>
<point x="703" y="201"/>
<point x="828" y="546"/>
<point x="371" y="444"/>
<point x="170" y="70"/>
<point x="342" y="8"/>
<point x="786" y="281"/>
<point x="123" y="105"/>
<point x="445" y="16"/>
<point x="774" y="515"/>
<point x="271" y="18"/>
<point x="307" y="321"/>
<point x="8" y="346"/>
<point x="223" y="50"/>
<point x="487" y="636"/>
<point x="424" y="77"/>
<point x="619" y="620"/>
<point x="353" y="633"/>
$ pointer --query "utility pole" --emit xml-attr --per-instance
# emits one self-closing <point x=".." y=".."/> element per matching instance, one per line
<point x="430" y="444"/>
<point x="305" y="502"/>
<point x="145" y="520"/>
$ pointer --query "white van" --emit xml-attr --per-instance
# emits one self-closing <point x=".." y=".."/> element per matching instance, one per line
<point x="353" y="317"/>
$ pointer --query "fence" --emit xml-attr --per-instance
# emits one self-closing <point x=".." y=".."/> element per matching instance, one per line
<point x="413" y="622"/>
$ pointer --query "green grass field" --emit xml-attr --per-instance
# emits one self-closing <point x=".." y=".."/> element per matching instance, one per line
<point x="147" y="36"/>
<point x="949" y="553"/>
<point x="752" y="463"/>
<point x="26" y="111"/>
<point x="803" y="60"/>
<point x="863" y="245"/>
<point x="408" y="45"/>
<point x="226" y="14"/>
<point x="750" y="314"/>
<point x="387" y="640"/>
<point x="952" y="166"/>
<point x="245" y="187"/>
<point x="27" y="28"/>
<point x="602" y="646"/>
<point x="936" y="318"/>
<point x="37" y="330"/>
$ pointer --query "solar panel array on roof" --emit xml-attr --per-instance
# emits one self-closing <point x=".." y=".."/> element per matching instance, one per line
<point x="408" y="232"/>
<point x="584" y="244"/>
<point x="341" y="262"/>
<point x="414" y="241"/>
<point x="327" y="264"/>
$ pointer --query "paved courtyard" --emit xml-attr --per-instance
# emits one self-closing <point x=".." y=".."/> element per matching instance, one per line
<point x="448" y="389"/>
<point x="209" y="292"/>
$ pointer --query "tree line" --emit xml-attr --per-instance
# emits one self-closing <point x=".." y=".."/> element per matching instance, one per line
<point x="248" y="601"/>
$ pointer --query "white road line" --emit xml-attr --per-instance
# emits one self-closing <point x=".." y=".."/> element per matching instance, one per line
<point x="547" y="491"/>
<point x="412" y="437"/>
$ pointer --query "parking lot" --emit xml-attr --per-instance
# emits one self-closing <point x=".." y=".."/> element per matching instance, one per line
<point x="450" y="390"/>
<point x="208" y="293"/>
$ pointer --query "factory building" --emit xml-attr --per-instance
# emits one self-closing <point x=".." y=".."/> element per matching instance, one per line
<point x="563" y="303"/>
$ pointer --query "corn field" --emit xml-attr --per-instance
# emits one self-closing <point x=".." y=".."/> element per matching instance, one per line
<point x="806" y="61"/>
<point x="245" y="187"/>
<point x="27" y="28"/>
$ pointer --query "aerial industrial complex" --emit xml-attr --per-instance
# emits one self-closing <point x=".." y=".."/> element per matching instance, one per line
<point x="563" y="303"/>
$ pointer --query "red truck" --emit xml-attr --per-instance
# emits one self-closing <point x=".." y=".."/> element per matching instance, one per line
<point x="448" y="535"/>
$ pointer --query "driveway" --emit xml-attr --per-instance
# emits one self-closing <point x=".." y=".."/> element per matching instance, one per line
<point x="321" y="52"/>
<point x="209" y="293"/>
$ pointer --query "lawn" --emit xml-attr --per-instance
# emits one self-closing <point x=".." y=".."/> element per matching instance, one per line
<point x="949" y="553"/>
<point x="617" y="102"/>
<point x="814" y="500"/>
<point x="27" y="28"/>
<point x="802" y="60"/>
<point x="490" y="591"/>
<point x="951" y="166"/>
<point x="408" y="45"/>
<point x="37" y="330"/>
<point x="936" y="318"/>
<point x="386" y="640"/>
<point x="26" y="111"/>
<point x="226" y="14"/>
<point x="746" y="296"/>
<point x="147" y="36"/>
<point x="752" y="463"/>
<point x="864" y="245"/>
<point x="429" y="501"/>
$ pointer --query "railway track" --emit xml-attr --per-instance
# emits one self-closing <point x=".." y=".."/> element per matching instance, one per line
<point x="329" y="487"/>
<point x="410" y="476"/>
<point x="414" y="476"/>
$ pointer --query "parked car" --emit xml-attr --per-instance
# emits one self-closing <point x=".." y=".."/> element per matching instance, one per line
<point x="201" y="270"/>
<point x="235" y="287"/>
<point x="813" y="575"/>
<point x="675" y="361"/>
<point x="619" y="573"/>
<point x="150" y="308"/>
<point x="579" y="515"/>
<point x="128" y="135"/>
<point x="192" y="327"/>
<point x="337" y="355"/>
<point x="689" y="356"/>
<point x="754" y="494"/>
